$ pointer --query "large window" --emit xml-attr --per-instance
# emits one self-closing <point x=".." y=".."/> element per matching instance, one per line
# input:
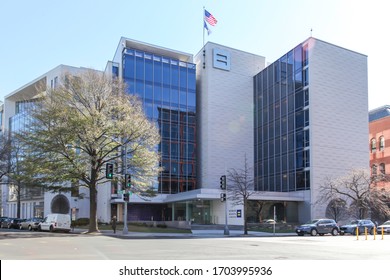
<point x="382" y="168"/>
<point x="282" y="144"/>
<point x="374" y="170"/>
<point x="373" y="145"/>
<point x="167" y="88"/>
<point x="381" y="143"/>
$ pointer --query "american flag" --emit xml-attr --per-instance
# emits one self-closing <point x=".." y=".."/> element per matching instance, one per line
<point x="210" y="18"/>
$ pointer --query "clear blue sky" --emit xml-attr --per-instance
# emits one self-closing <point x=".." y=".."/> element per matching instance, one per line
<point x="38" y="35"/>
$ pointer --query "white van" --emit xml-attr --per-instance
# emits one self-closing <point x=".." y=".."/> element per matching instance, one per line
<point x="55" y="222"/>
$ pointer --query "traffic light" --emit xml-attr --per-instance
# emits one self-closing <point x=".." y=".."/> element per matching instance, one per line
<point x="126" y="196"/>
<point x="223" y="197"/>
<point x="223" y="182"/>
<point x="109" y="171"/>
<point x="128" y="180"/>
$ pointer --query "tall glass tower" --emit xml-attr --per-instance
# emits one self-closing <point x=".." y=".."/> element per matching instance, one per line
<point x="167" y="87"/>
<point x="282" y="144"/>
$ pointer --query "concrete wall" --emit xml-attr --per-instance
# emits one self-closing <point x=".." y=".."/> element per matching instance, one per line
<point x="338" y="114"/>
<point x="225" y="112"/>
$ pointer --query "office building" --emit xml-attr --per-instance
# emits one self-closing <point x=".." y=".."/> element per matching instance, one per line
<point x="34" y="202"/>
<point x="296" y="121"/>
<point x="379" y="142"/>
<point x="310" y="123"/>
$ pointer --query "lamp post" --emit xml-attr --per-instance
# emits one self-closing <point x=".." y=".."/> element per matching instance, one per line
<point x="226" y="228"/>
<point x="125" y="228"/>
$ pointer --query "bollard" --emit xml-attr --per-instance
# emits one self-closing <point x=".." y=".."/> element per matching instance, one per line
<point x="382" y="233"/>
<point x="365" y="232"/>
<point x="374" y="233"/>
<point x="357" y="233"/>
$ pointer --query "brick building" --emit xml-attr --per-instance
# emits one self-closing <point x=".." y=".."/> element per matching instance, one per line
<point x="379" y="140"/>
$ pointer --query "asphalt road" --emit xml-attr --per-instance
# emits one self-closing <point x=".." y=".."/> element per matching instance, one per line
<point x="24" y="245"/>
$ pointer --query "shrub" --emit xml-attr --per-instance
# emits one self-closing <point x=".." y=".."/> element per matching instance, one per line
<point x="162" y="225"/>
<point x="80" y="222"/>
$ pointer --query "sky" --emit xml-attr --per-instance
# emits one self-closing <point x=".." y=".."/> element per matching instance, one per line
<point x="36" y="36"/>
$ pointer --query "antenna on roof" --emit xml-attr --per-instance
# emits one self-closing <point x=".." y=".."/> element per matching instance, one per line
<point x="311" y="32"/>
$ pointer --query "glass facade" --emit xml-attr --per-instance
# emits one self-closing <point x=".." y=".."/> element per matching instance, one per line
<point x="167" y="88"/>
<point x="282" y="138"/>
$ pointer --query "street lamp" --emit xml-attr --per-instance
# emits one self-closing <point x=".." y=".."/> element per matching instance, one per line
<point x="224" y="197"/>
<point x="124" y="171"/>
<point x="125" y="228"/>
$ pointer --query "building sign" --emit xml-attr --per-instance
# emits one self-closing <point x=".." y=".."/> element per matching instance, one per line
<point x="221" y="59"/>
<point x="235" y="213"/>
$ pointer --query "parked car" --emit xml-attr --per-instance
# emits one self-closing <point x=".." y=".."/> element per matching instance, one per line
<point x="2" y="219"/>
<point x="385" y="226"/>
<point x="358" y="225"/>
<point x="11" y="223"/>
<point x="30" y="224"/>
<point x="4" y="222"/>
<point x="19" y="222"/>
<point x="270" y="221"/>
<point x="318" y="226"/>
<point x="55" y="222"/>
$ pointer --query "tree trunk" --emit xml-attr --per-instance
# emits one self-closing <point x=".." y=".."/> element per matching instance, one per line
<point x="245" y="219"/>
<point x="93" y="225"/>
<point x="18" y="203"/>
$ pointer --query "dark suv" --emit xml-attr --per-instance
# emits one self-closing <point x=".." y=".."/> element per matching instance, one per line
<point x="358" y="224"/>
<point x="318" y="226"/>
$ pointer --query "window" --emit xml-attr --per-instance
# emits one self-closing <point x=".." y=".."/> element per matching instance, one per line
<point x="374" y="170"/>
<point x="382" y="169"/>
<point x="381" y="143"/>
<point x="373" y="145"/>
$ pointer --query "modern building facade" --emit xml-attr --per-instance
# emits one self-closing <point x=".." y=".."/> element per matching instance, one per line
<point x="290" y="120"/>
<point x="203" y="108"/>
<point x="379" y="145"/>
<point x="34" y="202"/>
<point x="310" y="122"/>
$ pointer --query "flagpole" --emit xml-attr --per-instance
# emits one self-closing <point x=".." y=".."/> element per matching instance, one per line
<point x="203" y="24"/>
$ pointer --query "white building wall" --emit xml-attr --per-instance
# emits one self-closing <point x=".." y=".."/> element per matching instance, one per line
<point x="338" y="114"/>
<point x="27" y="92"/>
<point x="225" y="113"/>
<point x="225" y="118"/>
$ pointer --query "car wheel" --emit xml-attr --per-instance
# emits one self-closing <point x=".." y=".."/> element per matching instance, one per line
<point x="334" y="232"/>
<point x="20" y="227"/>
<point x="39" y="228"/>
<point x="372" y="231"/>
<point x="313" y="232"/>
<point x="29" y="228"/>
<point x="51" y="229"/>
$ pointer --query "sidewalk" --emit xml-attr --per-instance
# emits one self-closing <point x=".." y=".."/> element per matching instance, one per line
<point x="204" y="233"/>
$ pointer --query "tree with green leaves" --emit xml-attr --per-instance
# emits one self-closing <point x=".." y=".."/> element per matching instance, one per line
<point x="90" y="120"/>
<point x="17" y="175"/>
<point x="240" y="186"/>
<point x="5" y="152"/>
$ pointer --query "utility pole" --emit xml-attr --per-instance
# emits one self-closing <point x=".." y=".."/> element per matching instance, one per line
<point x="224" y="195"/>
<point x="124" y="188"/>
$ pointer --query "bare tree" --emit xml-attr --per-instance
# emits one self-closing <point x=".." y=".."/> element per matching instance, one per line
<point x="337" y="209"/>
<point x="257" y="207"/>
<point x="83" y="124"/>
<point x="359" y="189"/>
<point x="240" y="186"/>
